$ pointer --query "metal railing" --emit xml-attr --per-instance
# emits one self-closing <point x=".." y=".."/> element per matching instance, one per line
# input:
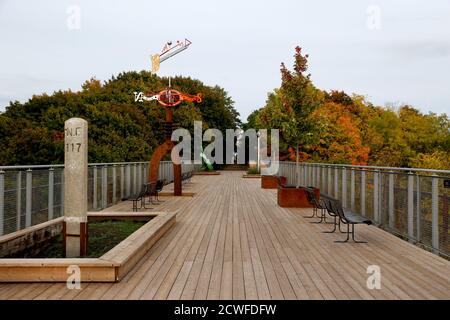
<point x="409" y="202"/>
<point x="30" y="195"/>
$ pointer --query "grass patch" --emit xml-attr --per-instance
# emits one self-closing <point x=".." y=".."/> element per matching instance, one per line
<point x="103" y="236"/>
<point x="253" y="170"/>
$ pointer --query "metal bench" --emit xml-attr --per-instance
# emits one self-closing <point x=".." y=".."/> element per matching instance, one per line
<point x="331" y="211"/>
<point x="317" y="205"/>
<point x="139" y="197"/>
<point x="334" y="208"/>
<point x="350" y="219"/>
<point x="152" y="192"/>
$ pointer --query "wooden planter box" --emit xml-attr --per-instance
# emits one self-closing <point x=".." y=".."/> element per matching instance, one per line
<point x="295" y="197"/>
<point x="271" y="182"/>
<point x="111" y="267"/>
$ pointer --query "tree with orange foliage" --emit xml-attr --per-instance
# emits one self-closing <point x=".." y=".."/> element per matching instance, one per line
<point x="340" y="137"/>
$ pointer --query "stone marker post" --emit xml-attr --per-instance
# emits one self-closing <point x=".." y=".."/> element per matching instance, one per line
<point x="75" y="187"/>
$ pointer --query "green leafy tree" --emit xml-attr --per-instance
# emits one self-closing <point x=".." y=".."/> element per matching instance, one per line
<point x="120" y="129"/>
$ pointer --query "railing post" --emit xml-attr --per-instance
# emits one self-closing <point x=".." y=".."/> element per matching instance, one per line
<point x="28" y="199"/>
<point x="145" y="172"/>
<point x="140" y="176"/>
<point x="376" y="199"/>
<point x="114" y="184"/>
<point x="344" y="187"/>
<point x="292" y="174"/>
<point x="362" y="193"/>
<point x="301" y="174"/>
<point x="329" y="181"/>
<point x="435" y="212"/>
<point x="19" y="200"/>
<point x="336" y="182"/>
<point x="391" y="200"/>
<point x="128" y="180"/>
<point x="324" y="178"/>
<point x="62" y="190"/>
<point x="104" y="187"/>
<point x="2" y="202"/>
<point x="51" y="192"/>
<point x="134" y="178"/>
<point x="94" y="188"/>
<point x="319" y="177"/>
<point x="352" y="190"/>
<point x="305" y="173"/>
<point x="418" y="208"/>
<point x="410" y="205"/>
<point x="122" y="181"/>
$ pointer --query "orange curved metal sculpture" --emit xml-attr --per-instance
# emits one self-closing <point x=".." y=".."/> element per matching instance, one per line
<point x="169" y="98"/>
<point x="172" y="98"/>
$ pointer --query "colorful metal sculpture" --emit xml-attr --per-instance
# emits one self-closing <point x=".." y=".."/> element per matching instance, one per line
<point x="169" y="98"/>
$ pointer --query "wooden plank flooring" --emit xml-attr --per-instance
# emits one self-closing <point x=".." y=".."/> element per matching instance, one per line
<point x="231" y="241"/>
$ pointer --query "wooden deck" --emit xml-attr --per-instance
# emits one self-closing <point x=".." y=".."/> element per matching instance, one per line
<point x="231" y="241"/>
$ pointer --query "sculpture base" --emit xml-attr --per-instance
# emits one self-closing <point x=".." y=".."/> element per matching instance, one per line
<point x="74" y="238"/>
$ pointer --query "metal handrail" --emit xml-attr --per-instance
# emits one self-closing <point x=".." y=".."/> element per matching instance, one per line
<point x="46" y="166"/>
<point x="372" y="167"/>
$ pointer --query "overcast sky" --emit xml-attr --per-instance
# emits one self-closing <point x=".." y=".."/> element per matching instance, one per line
<point x="390" y="51"/>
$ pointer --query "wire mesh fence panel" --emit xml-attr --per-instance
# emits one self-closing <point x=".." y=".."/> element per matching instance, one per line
<point x="415" y="209"/>
<point x="400" y="224"/>
<point x="39" y="196"/>
<point x="370" y="189"/>
<point x="357" y="202"/>
<point x="118" y="183"/>
<point x="384" y="200"/>
<point x="443" y="217"/>
<point x="58" y="193"/>
<point x="90" y="188"/>
<point x="110" y="182"/>
<point x="425" y="210"/>
<point x="323" y="180"/>
<point x="286" y="171"/>
<point x="21" y="198"/>
<point x="10" y="202"/>
<point x="346" y="189"/>
<point x="98" y="183"/>
<point x="330" y="181"/>
<point x="338" y="183"/>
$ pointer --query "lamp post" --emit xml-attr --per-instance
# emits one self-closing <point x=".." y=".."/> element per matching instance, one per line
<point x="258" y="134"/>
<point x="297" y="167"/>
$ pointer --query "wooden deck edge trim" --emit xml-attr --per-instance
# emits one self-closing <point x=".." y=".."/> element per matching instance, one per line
<point x="123" y="216"/>
<point x="128" y="253"/>
<point x="56" y="270"/>
<point x="20" y="233"/>
<point x="119" y="214"/>
<point x="255" y="176"/>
